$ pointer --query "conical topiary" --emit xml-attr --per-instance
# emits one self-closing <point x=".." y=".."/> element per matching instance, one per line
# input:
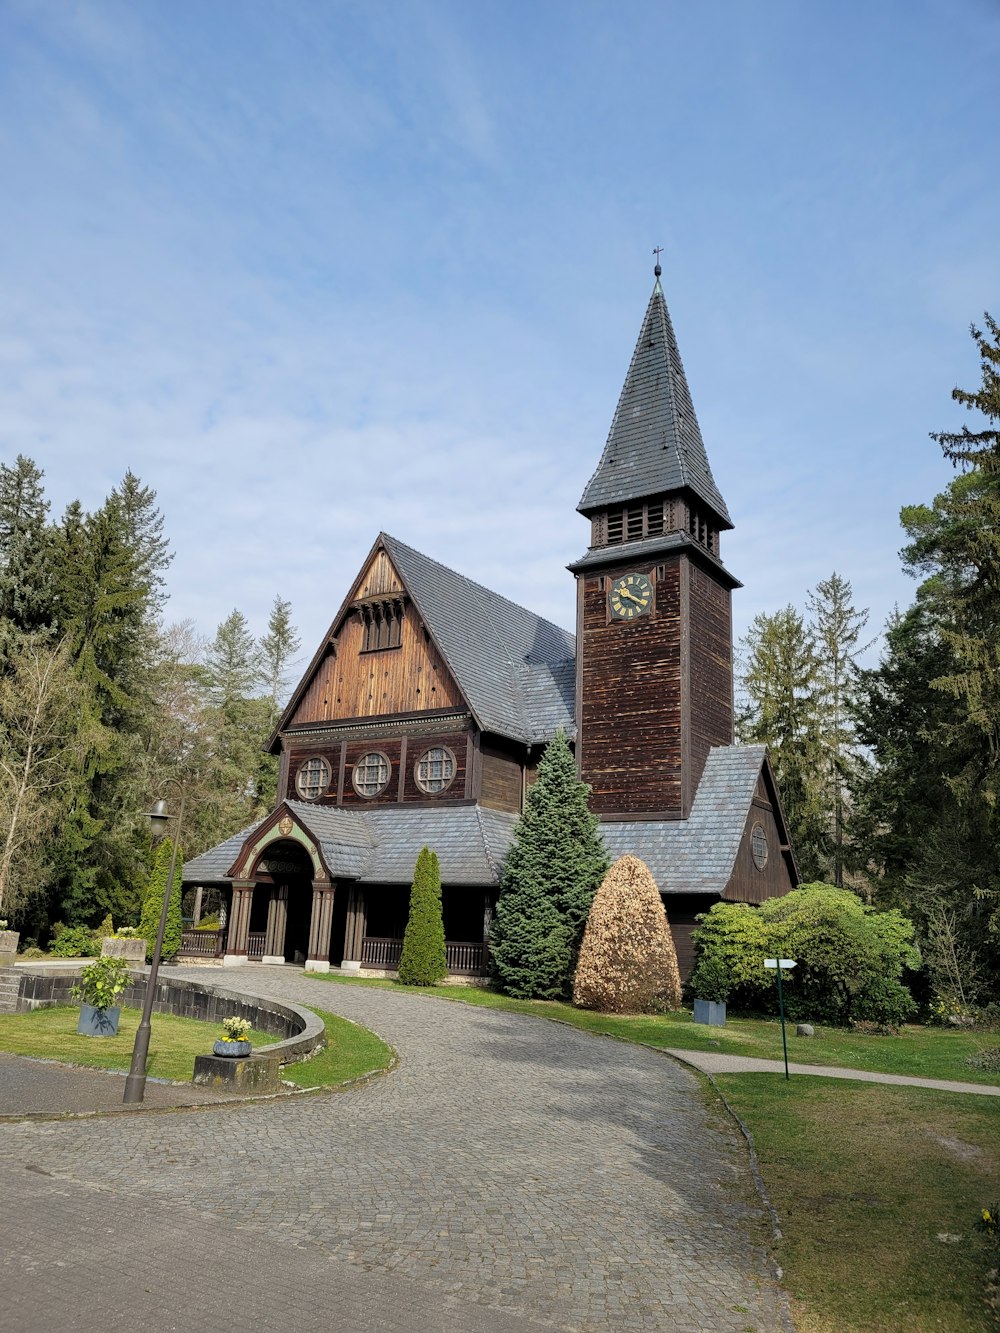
<point x="153" y="902"/>
<point x="627" y="959"/>
<point x="423" y="960"/>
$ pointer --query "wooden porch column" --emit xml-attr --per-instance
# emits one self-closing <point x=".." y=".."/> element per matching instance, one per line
<point x="196" y="915"/>
<point x="487" y="927"/>
<point x="239" y="923"/>
<point x="277" y="919"/>
<point x="354" y="931"/>
<point x="320" y="925"/>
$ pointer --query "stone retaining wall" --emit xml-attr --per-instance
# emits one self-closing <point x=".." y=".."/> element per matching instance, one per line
<point x="298" y="1031"/>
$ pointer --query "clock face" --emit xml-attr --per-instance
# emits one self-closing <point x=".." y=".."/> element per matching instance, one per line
<point x="631" y="596"/>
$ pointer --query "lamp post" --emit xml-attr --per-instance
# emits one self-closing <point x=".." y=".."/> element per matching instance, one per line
<point x="780" y="965"/>
<point x="135" y="1083"/>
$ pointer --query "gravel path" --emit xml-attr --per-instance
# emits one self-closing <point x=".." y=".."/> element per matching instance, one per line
<point x="509" y="1174"/>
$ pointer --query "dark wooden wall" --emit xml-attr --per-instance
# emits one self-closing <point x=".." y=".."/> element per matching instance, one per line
<point x="402" y="751"/>
<point x="747" y="884"/>
<point x="630" y="697"/>
<point x="682" y="908"/>
<point x="501" y="778"/>
<point x="710" y="669"/>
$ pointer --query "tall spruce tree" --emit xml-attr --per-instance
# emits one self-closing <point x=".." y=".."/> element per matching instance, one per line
<point x="423" y="961"/>
<point x="553" y="869"/>
<point x="152" y="904"/>
<point x="779" y="707"/>
<point x="836" y="626"/>
<point x="25" y="555"/>
<point x="277" y="650"/>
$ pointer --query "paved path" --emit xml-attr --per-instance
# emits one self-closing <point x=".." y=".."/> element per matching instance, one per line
<point x="716" y="1062"/>
<point x="46" y="1087"/>
<point x="510" y="1174"/>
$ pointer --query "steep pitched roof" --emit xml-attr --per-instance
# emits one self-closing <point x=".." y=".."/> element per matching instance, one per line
<point x="655" y="441"/>
<point x="515" y="669"/>
<point x="697" y="855"/>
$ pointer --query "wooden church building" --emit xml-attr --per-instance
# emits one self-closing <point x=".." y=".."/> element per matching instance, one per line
<point x="423" y="714"/>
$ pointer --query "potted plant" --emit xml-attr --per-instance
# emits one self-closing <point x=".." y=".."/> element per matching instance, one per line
<point x="9" y="940"/>
<point x="235" y="1037"/>
<point x="711" y="985"/>
<point x="100" y="985"/>
<point x="125" y="943"/>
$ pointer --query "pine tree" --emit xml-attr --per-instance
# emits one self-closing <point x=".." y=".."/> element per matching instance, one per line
<point x="627" y="958"/>
<point x="836" y="628"/>
<point x="779" y="707"/>
<point x="278" y="649"/>
<point x="153" y="902"/>
<point x="233" y="661"/>
<point x="423" y="961"/>
<point x="552" y="871"/>
<point x="25" y="555"/>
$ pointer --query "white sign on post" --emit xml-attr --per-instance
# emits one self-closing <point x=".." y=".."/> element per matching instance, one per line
<point x="783" y="963"/>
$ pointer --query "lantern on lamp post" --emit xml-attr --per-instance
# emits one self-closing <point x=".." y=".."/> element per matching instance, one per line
<point x="159" y="822"/>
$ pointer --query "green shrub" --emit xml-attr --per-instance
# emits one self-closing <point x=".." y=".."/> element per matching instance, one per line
<point x="153" y="903"/>
<point x="102" y="982"/>
<point x="75" y="942"/>
<point x="423" y="961"/>
<point x="850" y="959"/>
<point x="106" y="930"/>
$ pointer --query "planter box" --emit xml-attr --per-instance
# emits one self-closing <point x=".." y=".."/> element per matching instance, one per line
<point x="710" y="1011"/>
<point x="9" y="940"/>
<point x="133" y="951"/>
<point x="96" y="1022"/>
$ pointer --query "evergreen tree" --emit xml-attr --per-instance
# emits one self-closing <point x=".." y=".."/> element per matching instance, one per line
<point x="153" y="902"/>
<point x="233" y="661"/>
<point x="836" y="628"/>
<point x="553" y="869"/>
<point x="278" y="649"/>
<point x="627" y="958"/>
<point x="423" y="961"/>
<point x="25" y="555"/>
<point x="779" y="707"/>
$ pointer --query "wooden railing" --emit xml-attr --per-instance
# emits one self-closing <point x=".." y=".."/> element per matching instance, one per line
<point x="255" y="946"/>
<point x="202" y="943"/>
<point x="462" y="956"/>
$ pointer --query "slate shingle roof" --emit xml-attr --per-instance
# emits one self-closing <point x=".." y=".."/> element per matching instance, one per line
<point x="696" y="855"/>
<point x="655" y="441"/>
<point x="379" y="845"/>
<point x="515" y="669"/>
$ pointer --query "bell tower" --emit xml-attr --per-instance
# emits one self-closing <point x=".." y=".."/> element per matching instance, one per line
<point x="654" y="676"/>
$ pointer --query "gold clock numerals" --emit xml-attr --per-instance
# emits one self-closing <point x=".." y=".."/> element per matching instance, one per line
<point x="631" y="596"/>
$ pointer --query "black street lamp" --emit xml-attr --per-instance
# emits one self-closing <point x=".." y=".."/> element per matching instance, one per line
<point x="159" y="820"/>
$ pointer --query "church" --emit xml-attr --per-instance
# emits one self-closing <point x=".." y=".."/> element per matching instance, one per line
<point x="421" y="719"/>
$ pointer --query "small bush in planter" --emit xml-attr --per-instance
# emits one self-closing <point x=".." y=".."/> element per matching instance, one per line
<point x="102" y="982"/>
<point x="235" y="1039"/>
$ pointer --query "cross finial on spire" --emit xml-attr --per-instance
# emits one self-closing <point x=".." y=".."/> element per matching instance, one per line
<point x="657" y="251"/>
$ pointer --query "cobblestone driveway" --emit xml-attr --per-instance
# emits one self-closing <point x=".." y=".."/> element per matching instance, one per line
<point x="509" y="1173"/>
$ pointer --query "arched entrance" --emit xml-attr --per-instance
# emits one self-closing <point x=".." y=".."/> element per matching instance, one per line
<point x="282" y="904"/>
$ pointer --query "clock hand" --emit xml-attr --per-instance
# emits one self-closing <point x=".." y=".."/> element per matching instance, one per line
<point x="624" y="592"/>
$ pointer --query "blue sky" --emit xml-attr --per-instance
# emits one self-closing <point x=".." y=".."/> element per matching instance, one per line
<point x="313" y="270"/>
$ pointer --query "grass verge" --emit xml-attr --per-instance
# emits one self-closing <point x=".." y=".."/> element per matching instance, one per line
<point x="350" y="1052"/>
<point x="877" y="1189"/>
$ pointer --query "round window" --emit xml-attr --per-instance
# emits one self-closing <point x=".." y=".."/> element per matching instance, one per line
<point x="371" y="774"/>
<point x="758" y="846"/>
<point x="313" y="778"/>
<point x="435" y="769"/>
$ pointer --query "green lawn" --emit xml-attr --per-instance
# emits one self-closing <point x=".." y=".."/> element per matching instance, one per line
<point x="924" y="1052"/>
<point x="174" y="1042"/>
<point x="866" y="1179"/>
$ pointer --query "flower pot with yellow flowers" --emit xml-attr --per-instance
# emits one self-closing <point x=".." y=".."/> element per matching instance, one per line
<point x="235" y="1039"/>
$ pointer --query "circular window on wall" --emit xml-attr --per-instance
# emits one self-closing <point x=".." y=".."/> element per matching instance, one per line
<point x="371" y="774"/>
<point x="313" y="778"/>
<point x="758" y="846"/>
<point x="435" y="769"/>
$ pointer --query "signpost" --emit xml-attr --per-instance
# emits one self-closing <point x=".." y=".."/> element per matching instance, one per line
<point x="780" y="965"/>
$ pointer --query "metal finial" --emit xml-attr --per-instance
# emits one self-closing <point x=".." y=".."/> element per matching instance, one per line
<point x="657" y="250"/>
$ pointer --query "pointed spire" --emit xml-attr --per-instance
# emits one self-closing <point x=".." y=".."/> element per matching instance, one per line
<point x="654" y="445"/>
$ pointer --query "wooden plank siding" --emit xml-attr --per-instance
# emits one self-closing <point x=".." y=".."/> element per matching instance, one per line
<point x="501" y="779"/>
<point x="682" y="908"/>
<point x="747" y="884"/>
<point x="710" y="669"/>
<point x="350" y="683"/>
<point x="402" y="752"/>
<point x="631" y="697"/>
